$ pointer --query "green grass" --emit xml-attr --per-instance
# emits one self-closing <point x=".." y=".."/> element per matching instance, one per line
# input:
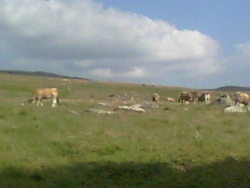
<point x="66" y="146"/>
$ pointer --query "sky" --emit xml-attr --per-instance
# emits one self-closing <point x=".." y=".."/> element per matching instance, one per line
<point x="194" y="43"/>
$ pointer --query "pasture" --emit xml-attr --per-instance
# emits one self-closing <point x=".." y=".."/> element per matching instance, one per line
<point x="69" y="146"/>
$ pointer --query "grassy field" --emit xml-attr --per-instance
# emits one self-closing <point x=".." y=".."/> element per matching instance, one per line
<point x="190" y="146"/>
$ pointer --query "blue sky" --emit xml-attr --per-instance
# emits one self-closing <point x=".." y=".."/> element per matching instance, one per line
<point x="195" y="43"/>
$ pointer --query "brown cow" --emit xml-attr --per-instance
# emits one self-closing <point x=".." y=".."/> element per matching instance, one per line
<point x="45" y="93"/>
<point x="187" y="97"/>
<point x="241" y="98"/>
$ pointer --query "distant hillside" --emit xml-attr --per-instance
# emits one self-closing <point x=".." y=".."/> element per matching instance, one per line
<point x="233" y="88"/>
<point x="47" y="74"/>
<point x="39" y="73"/>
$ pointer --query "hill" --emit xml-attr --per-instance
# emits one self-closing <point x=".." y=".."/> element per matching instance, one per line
<point x="232" y="88"/>
<point x="39" y="73"/>
<point x="53" y="75"/>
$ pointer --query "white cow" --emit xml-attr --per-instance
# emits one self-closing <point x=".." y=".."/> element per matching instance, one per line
<point x="45" y="93"/>
<point x="204" y="97"/>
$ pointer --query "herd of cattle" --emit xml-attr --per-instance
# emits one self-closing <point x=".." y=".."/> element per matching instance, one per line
<point x="239" y="98"/>
<point x="191" y="96"/>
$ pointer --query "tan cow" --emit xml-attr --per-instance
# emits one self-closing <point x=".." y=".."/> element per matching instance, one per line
<point x="241" y="98"/>
<point x="170" y="99"/>
<point x="155" y="97"/>
<point x="45" y="93"/>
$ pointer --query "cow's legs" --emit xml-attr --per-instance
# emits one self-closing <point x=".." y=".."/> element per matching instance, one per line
<point x="39" y="102"/>
<point x="54" y="102"/>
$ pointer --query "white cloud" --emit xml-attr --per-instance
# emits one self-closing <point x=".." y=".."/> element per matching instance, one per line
<point x="84" y="39"/>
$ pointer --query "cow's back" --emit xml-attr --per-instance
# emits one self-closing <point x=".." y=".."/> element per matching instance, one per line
<point x="47" y="92"/>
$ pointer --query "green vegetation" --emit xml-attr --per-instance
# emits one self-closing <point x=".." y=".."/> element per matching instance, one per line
<point x="169" y="146"/>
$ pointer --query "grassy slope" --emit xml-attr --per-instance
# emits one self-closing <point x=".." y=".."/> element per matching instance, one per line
<point x="171" y="146"/>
